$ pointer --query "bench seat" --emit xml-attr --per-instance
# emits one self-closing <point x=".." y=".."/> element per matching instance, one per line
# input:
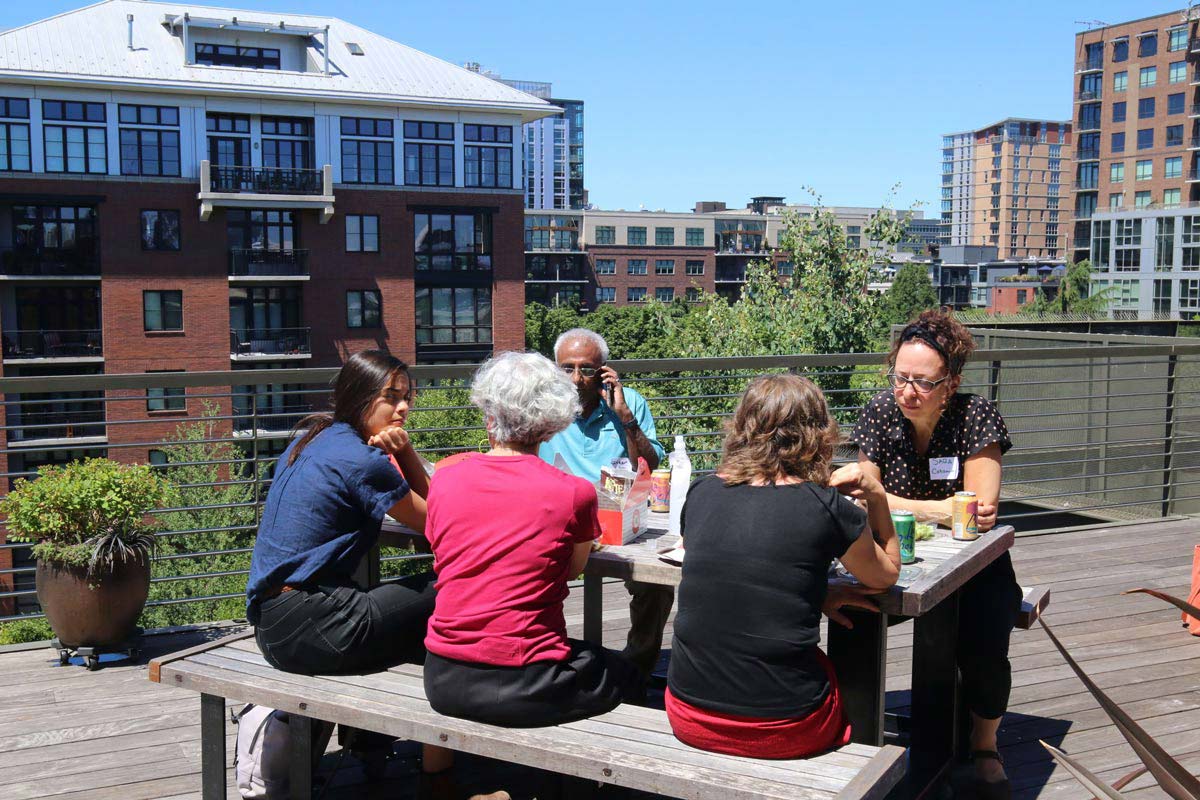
<point x="630" y="746"/>
<point x="1033" y="602"/>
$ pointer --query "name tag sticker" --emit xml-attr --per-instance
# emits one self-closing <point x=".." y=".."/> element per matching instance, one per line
<point x="943" y="469"/>
<point x="621" y="463"/>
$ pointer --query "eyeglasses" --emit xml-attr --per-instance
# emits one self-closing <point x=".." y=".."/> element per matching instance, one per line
<point x="587" y="372"/>
<point x="922" y="385"/>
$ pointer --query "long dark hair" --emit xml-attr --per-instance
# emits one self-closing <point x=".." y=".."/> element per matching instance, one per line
<point x="358" y="383"/>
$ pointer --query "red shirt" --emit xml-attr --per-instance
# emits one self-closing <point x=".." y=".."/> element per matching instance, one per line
<point x="502" y="529"/>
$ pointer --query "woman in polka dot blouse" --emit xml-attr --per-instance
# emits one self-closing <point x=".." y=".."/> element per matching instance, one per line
<point x="925" y="440"/>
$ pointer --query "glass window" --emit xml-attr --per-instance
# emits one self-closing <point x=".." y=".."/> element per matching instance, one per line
<point x="443" y="131"/>
<point x="1118" y="142"/>
<point x="1147" y="77"/>
<point x="695" y="237"/>
<point x="1146" y="108"/>
<point x="367" y="150"/>
<point x="664" y="266"/>
<point x="453" y="241"/>
<point x="1116" y="172"/>
<point x="635" y="294"/>
<point x="220" y="55"/>
<point x="1173" y="167"/>
<point x="1145" y="139"/>
<point x="162" y="310"/>
<point x="1120" y="81"/>
<point x="664" y="294"/>
<point x="664" y="237"/>
<point x="75" y="148"/>
<point x="1147" y="45"/>
<point x="635" y="266"/>
<point x="1171" y="197"/>
<point x="1175" y="103"/>
<point x="151" y="148"/>
<point x="160" y="230"/>
<point x="606" y="266"/>
<point x="428" y="164"/>
<point x="635" y="235"/>
<point x="489" y="167"/>
<point x="1177" y="39"/>
<point x="692" y="294"/>
<point x="606" y="294"/>
<point x="364" y="308"/>
<point x="447" y="315"/>
<point x="1121" y="50"/>
<point x="694" y="267"/>
<point x="14" y="136"/>
<point x="1141" y="199"/>
<point x="1144" y="170"/>
<point x="1118" y="111"/>
<point x="172" y="399"/>
<point x="362" y="233"/>
<point x="1116" y="201"/>
<point x="606" y="234"/>
<point x="1177" y="72"/>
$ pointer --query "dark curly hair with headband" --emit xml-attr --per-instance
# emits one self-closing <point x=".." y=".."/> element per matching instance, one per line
<point x="942" y="332"/>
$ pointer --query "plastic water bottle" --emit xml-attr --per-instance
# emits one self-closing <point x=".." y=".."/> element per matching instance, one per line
<point x="681" y="479"/>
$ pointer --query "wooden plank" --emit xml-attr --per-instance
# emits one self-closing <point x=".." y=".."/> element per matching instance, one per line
<point x="1033" y="602"/>
<point x="931" y="589"/>
<point x="156" y="664"/>
<point x="874" y="782"/>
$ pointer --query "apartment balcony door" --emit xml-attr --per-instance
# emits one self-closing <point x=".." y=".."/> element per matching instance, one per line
<point x="229" y="151"/>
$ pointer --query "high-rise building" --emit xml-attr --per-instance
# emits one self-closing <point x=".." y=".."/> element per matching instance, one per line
<point x="1002" y="186"/>
<point x="553" y="150"/>
<point x="1136" y="112"/>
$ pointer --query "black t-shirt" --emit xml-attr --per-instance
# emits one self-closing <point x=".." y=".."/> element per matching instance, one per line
<point x="883" y="434"/>
<point x="754" y="579"/>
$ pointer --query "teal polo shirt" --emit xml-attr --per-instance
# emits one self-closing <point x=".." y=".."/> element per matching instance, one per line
<point x="589" y="444"/>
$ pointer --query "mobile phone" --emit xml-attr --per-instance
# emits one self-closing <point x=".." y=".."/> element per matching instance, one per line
<point x="607" y="389"/>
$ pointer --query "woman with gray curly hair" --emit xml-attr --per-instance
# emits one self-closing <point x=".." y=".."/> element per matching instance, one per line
<point x="508" y="531"/>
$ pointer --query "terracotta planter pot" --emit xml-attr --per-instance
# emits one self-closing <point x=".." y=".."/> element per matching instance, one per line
<point x="85" y="617"/>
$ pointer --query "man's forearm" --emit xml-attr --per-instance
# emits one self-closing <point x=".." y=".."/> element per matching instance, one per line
<point x="638" y="445"/>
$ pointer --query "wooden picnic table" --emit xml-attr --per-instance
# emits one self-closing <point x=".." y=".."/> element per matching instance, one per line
<point x="928" y="592"/>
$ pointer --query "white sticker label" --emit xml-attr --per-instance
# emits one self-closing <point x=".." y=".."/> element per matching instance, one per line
<point x="943" y="469"/>
<point x="621" y="463"/>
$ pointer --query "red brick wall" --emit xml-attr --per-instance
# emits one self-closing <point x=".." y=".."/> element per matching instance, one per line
<point x="1004" y="298"/>
<point x="680" y="281"/>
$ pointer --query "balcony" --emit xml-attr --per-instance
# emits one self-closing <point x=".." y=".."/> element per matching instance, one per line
<point x="1090" y="154"/>
<point x="1083" y="97"/>
<point x="1193" y="175"/>
<point x="1194" y="45"/>
<point x="730" y="274"/>
<point x="23" y="263"/>
<point x="269" y="344"/>
<point x="541" y="245"/>
<point x="1194" y="110"/>
<point x="264" y="187"/>
<point x="1090" y="65"/>
<point x="255" y="262"/>
<point x="78" y="346"/>
<point x="1086" y="186"/>
<point x="70" y="418"/>
<point x="1087" y="125"/>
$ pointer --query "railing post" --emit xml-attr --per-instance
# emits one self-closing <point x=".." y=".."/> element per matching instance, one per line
<point x="1169" y="437"/>
<point x="994" y="381"/>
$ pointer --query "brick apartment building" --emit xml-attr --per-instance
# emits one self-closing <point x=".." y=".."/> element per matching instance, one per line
<point x="623" y="257"/>
<point x="1001" y="186"/>
<point x="207" y="189"/>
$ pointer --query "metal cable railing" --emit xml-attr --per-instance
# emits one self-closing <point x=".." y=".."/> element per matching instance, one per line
<point x="1105" y="428"/>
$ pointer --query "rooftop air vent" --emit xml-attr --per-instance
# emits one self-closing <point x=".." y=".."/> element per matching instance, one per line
<point x="355" y="49"/>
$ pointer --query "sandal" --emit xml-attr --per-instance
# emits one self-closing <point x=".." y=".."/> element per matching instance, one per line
<point x="991" y="790"/>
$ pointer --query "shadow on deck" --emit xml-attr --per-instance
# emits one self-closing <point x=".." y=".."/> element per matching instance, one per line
<point x="70" y="734"/>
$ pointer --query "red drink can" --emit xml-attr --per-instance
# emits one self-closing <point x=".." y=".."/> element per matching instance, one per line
<point x="660" y="490"/>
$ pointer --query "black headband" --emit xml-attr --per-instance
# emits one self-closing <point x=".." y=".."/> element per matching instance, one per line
<point x="922" y="334"/>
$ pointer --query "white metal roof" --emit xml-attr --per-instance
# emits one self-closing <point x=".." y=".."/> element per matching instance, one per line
<point x="89" y="46"/>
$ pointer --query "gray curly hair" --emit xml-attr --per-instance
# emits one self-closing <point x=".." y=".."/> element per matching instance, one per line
<point x="524" y="397"/>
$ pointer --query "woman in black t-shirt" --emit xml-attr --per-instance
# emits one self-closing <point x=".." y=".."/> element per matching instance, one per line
<point x="924" y="440"/>
<point x="747" y="676"/>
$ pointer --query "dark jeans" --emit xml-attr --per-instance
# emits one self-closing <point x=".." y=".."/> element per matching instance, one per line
<point x="649" y="608"/>
<point x="341" y="629"/>
<point x="987" y="613"/>
<point x="591" y="681"/>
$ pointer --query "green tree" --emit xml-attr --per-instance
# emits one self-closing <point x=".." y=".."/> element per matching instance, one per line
<point x="1074" y="294"/>
<point x="910" y="294"/>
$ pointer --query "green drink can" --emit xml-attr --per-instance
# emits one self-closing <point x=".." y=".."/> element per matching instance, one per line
<point x="906" y="531"/>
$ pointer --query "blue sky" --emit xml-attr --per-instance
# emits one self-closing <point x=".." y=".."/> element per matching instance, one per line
<point x="704" y="100"/>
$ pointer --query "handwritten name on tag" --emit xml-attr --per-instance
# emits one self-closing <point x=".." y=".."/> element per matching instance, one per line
<point x="622" y="463"/>
<point x="943" y="469"/>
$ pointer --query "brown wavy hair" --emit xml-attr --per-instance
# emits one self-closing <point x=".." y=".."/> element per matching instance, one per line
<point x="942" y="332"/>
<point x="781" y="428"/>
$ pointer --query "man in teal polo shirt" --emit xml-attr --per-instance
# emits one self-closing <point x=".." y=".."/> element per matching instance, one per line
<point x="615" y="425"/>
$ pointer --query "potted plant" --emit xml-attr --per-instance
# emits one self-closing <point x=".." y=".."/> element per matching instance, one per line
<point x="93" y="542"/>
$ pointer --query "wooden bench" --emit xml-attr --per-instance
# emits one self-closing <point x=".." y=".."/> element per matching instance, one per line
<point x="630" y="746"/>
<point x="1033" y="602"/>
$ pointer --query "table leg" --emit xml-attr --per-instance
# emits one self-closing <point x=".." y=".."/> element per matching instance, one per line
<point x="300" y="771"/>
<point x="593" y="609"/>
<point x="212" y="747"/>
<point x="859" y="656"/>
<point x="934" y="693"/>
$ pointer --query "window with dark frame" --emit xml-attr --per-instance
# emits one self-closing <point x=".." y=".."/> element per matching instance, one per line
<point x="14" y="136"/>
<point x="1118" y="142"/>
<point x="1146" y="108"/>
<point x="1118" y="111"/>
<point x="694" y="237"/>
<point x="271" y="229"/>
<point x="287" y="143"/>
<point x="1145" y="139"/>
<point x="635" y="266"/>
<point x="606" y="266"/>
<point x="664" y="294"/>
<point x="160" y="229"/>
<point x="606" y="234"/>
<point x="81" y="147"/>
<point x="362" y="233"/>
<point x="488" y="156"/>
<point x="172" y="399"/>
<point x="368" y="150"/>
<point x="664" y="237"/>
<point x="222" y="55"/>
<point x="664" y="266"/>
<point x="162" y="310"/>
<point x="606" y="294"/>
<point x="692" y="294"/>
<point x="453" y="314"/>
<point x="635" y="235"/>
<point x="694" y="268"/>
<point x="149" y="138"/>
<point x="1121" y="50"/>
<point x="427" y="163"/>
<point x="1147" y="45"/>
<point x="452" y="241"/>
<point x="364" y="308"/>
<point x="635" y="294"/>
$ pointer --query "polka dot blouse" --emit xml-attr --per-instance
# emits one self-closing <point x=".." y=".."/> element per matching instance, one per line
<point x="969" y="424"/>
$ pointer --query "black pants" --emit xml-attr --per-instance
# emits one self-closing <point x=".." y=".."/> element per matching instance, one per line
<point x="591" y="681"/>
<point x="987" y="613"/>
<point x="341" y="629"/>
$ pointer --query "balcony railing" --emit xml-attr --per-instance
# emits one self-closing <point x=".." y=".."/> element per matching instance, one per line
<point x="1090" y="65"/>
<point x="1193" y="174"/>
<point x="1194" y="45"/>
<point x="1194" y="110"/>
<point x="45" y="261"/>
<point x="1087" y="125"/>
<point x="727" y="275"/>
<point x="1193" y="143"/>
<point x="70" y="415"/>
<point x="257" y="262"/>
<point x="553" y="244"/>
<point x="266" y="180"/>
<point x="1093" y="94"/>
<point x="24" y="344"/>
<point x="263" y="342"/>
<point x="1086" y="186"/>
<point x="1089" y="154"/>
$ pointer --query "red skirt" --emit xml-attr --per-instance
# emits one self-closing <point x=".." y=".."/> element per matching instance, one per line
<point x="824" y="728"/>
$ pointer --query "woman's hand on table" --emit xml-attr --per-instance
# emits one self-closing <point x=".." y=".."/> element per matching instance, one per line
<point x="392" y="439"/>
<point x="985" y="516"/>
<point x="852" y="481"/>
<point x="841" y="595"/>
